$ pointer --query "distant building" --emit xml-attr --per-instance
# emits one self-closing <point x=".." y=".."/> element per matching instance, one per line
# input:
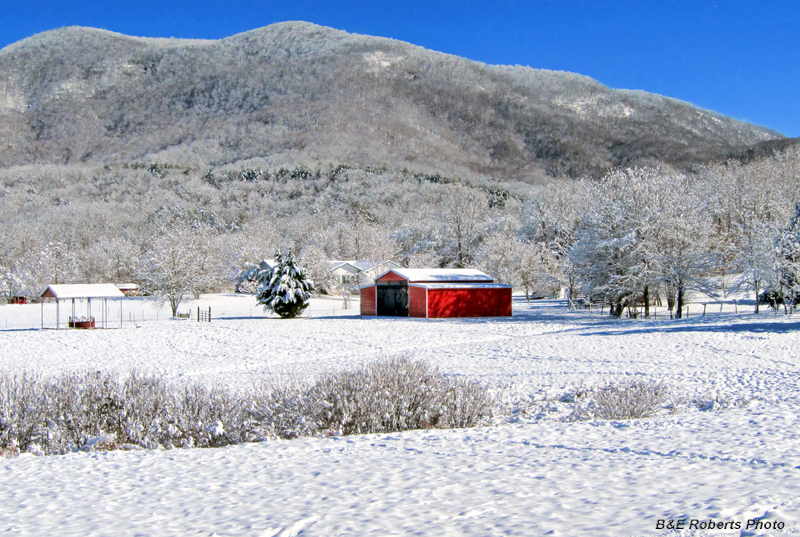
<point x="249" y="278"/>
<point x="128" y="289"/>
<point x="350" y="274"/>
<point x="265" y="264"/>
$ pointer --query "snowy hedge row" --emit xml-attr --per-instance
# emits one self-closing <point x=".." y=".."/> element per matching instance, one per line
<point x="99" y="411"/>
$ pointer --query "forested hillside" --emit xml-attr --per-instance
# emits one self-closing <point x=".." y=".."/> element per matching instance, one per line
<point x="655" y="231"/>
<point x="296" y="94"/>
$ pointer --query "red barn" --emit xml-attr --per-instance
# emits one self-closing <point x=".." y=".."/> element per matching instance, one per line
<point x="436" y="293"/>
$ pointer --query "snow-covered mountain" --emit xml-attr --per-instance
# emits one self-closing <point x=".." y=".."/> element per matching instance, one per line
<point x="299" y="94"/>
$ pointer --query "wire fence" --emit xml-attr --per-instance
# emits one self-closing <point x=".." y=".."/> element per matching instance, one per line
<point x="693" y="309"/>
<point x="134" y="312"/>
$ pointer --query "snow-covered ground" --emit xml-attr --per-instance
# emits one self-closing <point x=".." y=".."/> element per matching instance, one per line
<point x="530" y="474"/>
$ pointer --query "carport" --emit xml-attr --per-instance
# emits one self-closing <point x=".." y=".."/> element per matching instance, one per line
<point x="78" y="293"/>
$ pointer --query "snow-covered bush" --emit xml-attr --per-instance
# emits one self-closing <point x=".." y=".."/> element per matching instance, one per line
<point x="288" y="289"/>
<point x="628" y="401"/>
<point x="96" y="410"/>
<point x="720" y="402"/>
<point x="389" y="395"/>
<point x="283" y="410"/>
<point x="396" y="395"/>
<point x="614" y="401"/>
<point x="99" y="411"/>
<point x="22" y="413"/>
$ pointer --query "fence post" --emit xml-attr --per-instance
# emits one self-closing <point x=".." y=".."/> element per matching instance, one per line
<point x="736" y="306"/>
<point x="704" y="310"/>
<point x="203" y="316"/>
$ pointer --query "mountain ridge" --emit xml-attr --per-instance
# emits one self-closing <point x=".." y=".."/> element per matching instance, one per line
<point x="295" y="93"/>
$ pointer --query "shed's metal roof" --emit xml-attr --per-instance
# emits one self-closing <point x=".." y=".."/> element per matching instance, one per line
<point x="441" y="275"/>
<point x="456" y="285"/>
<point x="82" y="290"/>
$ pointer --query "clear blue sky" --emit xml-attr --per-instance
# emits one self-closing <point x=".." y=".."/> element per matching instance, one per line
<point x="740" y="58"/>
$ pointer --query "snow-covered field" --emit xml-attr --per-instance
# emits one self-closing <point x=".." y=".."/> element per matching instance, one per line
<point x="530" y="474"/>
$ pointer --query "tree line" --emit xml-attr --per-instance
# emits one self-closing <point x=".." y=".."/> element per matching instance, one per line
<point x="634" y="236"/>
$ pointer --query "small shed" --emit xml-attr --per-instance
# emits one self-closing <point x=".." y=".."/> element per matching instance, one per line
<point x="79" y="292"/>
<point x="436" y="293"/>
<point x="128" y="289"/>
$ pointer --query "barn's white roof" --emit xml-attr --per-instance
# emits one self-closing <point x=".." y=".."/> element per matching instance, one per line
<point x="82" y="290"/>
<point x="456" y="285"/>
<point x="441" y="275"/>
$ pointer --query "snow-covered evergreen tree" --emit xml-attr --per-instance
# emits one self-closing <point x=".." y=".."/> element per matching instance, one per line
<point x="287" y="291"/>
<point x="788" y="259"/>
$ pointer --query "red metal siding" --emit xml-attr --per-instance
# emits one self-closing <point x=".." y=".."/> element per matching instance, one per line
<point x="469" y="302"/>
<point x="417" y="302"/>
<point x="390" y="277"/>
<point x="368" y="304"/>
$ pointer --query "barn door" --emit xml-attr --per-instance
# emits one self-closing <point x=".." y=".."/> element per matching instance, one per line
<point x="393" y="299"/>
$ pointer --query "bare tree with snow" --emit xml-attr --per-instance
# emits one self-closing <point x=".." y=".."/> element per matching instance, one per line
<point x="179" y="263"/>
<point x="464" y="213"/>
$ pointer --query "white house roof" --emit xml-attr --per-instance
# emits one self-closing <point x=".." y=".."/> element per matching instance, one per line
<point x="361" y="266"/>
<point x="267" y="263"/>
<point x="441" y="275"/>
<point x="82" y="290"/>
<point x="355" y="265"/>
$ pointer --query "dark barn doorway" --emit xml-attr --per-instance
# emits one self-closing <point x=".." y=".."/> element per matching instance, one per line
<point x="393" y="298"/>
